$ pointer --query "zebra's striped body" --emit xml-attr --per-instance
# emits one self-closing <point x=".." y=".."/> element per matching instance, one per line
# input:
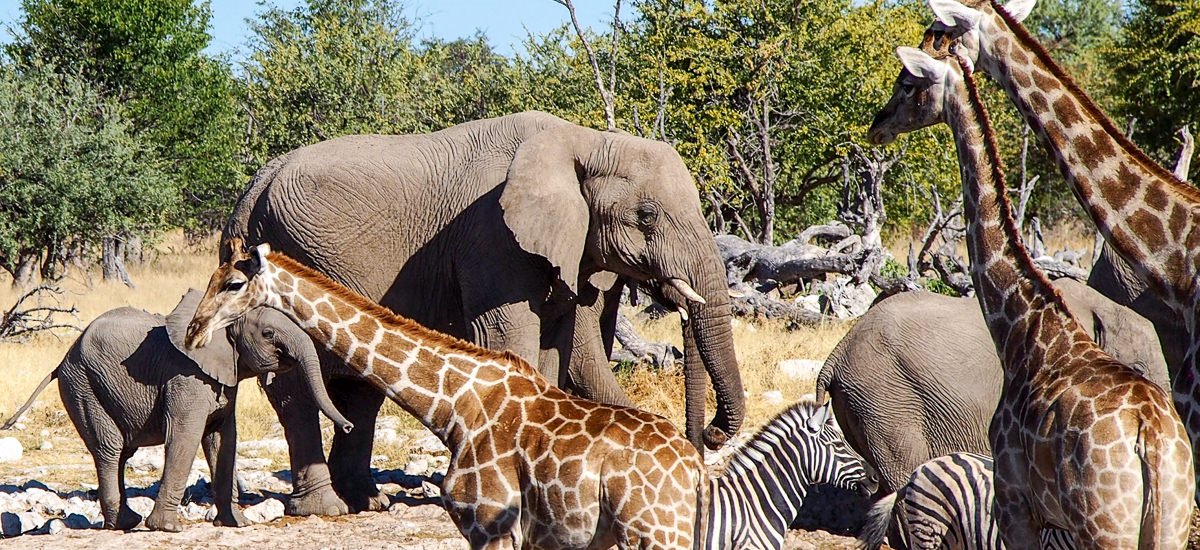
<point x="947" y="504"/>
<point x="760" y="494"/>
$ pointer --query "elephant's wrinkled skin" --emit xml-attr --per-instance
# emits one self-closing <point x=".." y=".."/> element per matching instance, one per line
<point x="509" y="232"/>
<point x="918" y="376"/>
<point x="126" y="383"/>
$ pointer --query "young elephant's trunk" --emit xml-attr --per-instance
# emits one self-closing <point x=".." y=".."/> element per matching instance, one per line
<point x="311" y="366"/>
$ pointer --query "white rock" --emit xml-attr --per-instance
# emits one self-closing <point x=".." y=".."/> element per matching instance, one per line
<point x="44" y="433"/>
<point x="387" y="423"/>
<point x="193" y="511"/>
<point x="43" y="501"/>
<point x="45" y="445"/>
<point x="141" y="504"/>
<point x="53" y="527"/>
<point x="147" y="459"/>
<point x="430" y="490"/>
<point x="418" y="465"/>
<point x="14" y="524"/>
<point x="773" y="397"/>
<point x="253" y="463"/>
<point x="800" y="369"/>
<point x="386" y="435"/>
<point x="430" y="444"/>
<point x="10" y="449"/>
<point x="264" y="445"/>
<point x="267" y="510"/>
<point x="376" y="459"/>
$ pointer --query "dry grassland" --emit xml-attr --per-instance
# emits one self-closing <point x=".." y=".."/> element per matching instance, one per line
<point x="177" y="265"/>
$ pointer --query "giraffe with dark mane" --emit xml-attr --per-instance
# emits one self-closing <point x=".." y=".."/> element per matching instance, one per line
<point x="531" y="466"/>
<point x="1081" y="442"/>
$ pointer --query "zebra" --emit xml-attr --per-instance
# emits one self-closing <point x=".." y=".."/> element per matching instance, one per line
<point x="947" y="503"/>
<point x="760" y="494"/>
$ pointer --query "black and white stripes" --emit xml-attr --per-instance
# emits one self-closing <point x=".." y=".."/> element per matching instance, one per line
<point x="947" y="503"/>
<point x="766" y="481"/>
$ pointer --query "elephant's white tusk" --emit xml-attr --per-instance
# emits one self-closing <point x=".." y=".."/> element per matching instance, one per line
<point x="683" y="314"/>
<point x="686" y="290"/>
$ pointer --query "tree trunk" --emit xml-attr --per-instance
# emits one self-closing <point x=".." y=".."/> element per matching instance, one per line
<point x="26" y="269"/>
<point x="113" y="261"/>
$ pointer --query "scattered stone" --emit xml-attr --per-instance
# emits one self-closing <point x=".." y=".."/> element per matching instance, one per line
<point x="418" y="465"/>
<point x="193" y="512"/>
<point x="800" y="369"/>
<point x="80" y="521"/>
<point x="143" y="505"/>
<point x="45" y="445"/>
<point x="430" y="444"/>
<point x="267" y="510"/>
<point x="10" y="449"/>
<point x="773" y="397"/>
<point x="386" y="436"/>
<point x="379" y="459"/>
<point x="264" y="445"/>
<point x="430" y="490"/>
<point x="13" y="524"/>
<point x="52" y="527"/>
<point x="147" y="459"/>
<point x="244" y="463"/>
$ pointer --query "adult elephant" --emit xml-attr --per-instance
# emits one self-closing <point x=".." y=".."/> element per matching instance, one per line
<point x="918" y="376"/>
<point x="509" y="232"/>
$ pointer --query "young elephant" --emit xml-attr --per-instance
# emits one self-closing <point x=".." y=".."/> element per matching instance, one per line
<point x="126" y="383"/>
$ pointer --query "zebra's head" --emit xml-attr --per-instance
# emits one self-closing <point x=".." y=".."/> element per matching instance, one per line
<point x="835" y="462"/>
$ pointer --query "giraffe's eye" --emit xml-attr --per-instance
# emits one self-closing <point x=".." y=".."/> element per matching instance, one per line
<point x="908" y="90"/>
<point x="234" y="286"/>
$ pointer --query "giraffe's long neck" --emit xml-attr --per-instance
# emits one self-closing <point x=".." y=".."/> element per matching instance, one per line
<point x="1148" y="215"/>
<point x="451" y="386"/>
<point x="1018" y="301"/>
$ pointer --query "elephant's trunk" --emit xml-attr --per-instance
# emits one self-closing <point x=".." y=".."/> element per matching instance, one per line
<point x="311" y="367"/>
<point x="708" y="346"/>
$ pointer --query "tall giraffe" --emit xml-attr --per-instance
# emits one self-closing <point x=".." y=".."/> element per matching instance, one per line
<point x="1081" y="441"/>
<point x="530" y="464"/>
<point x="1149" y="216"/>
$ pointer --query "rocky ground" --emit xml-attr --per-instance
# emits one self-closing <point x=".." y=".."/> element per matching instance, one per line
<point x="52" y="503"/>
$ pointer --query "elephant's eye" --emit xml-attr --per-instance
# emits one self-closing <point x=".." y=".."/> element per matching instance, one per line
<point x="647" y="214"/>
<point x="234" y="286"/>
<point x="268" y="333"/>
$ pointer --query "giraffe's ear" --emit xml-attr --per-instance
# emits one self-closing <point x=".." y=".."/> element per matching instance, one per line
<point x="1019" y="9"/>
<point x="920" y="65"/>
<point x="952" y="13"/>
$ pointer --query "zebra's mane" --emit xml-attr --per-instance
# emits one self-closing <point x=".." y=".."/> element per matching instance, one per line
<point x="788" y="425"/>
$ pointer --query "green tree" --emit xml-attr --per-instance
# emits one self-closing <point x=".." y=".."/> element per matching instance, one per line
<point x="1156" y="71"/>
<point x="148" y="55"/>
<point x="72" y="172"/>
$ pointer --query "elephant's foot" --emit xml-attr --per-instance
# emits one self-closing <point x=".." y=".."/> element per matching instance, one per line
<point x="163" y="520"/>
<point x="363" y="496"/>
<point x="231" y="518"/>
<point x="126" y="519"/>
<point x="319" y="502"/>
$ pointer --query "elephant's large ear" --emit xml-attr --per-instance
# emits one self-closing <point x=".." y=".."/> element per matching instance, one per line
<point x="217" y="359"/>
<point x="542" y="200"/>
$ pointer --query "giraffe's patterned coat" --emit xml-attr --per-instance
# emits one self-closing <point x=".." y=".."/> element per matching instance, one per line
<point x="1081" y="442"/>
<point x="531" y="466"/>
<point x="1150" y="217"/>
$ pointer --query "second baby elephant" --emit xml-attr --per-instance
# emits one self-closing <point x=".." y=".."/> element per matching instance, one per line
<point x="918" y="376"/>
<point x="127" y="383"/>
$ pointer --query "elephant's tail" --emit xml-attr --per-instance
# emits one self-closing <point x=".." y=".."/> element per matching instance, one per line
<point x="876" y="525"/>
<point x="824" y="379"/>
<point x="8" y="424"/>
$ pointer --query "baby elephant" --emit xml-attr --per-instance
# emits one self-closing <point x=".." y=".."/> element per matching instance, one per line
<point x="126" y="383"/>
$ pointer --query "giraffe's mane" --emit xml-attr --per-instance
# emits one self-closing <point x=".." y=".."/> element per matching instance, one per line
<point x="391" y="320"/>
<point x="1007" y="223"/>
<point x="1026" y="39"/>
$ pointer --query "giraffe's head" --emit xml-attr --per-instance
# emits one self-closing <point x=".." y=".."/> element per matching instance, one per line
<point x="233" y="289"/>
<point x="918" y="97"/>
<point x="971" y="26"/>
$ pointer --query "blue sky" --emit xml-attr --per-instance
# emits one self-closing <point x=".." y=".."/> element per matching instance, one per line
<point x="503" y="21"/>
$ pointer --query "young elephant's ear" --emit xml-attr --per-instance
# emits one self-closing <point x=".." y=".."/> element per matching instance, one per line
<point x="217" y="359"/>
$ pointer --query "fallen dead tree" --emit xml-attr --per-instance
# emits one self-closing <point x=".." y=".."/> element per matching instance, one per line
<point x="25" y="318"/>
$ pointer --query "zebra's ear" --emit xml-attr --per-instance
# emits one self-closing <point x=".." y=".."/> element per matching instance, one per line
<point x="820" y="415"/>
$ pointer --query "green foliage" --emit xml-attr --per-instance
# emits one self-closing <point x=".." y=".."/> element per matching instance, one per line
<point x="71" y="169"/>
<point x="1156" y="70"/>
<point x="148" y="55"/>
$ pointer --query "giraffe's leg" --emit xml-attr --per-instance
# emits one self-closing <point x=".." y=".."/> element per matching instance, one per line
<point x="1185" y="389"/>
<point x="1015" y="519"/>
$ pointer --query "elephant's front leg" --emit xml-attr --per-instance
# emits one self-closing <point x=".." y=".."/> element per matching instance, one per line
<point x="312" y="486"/>
<point x="220" y="445"/>
<point x="589" y="372"/>
<point x="350" y="454"/>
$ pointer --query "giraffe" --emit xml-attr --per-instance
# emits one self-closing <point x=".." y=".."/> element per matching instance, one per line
<point x="1081" y="441"/>
<point x="531" y="466"/>
<point x="1147" y="215"/>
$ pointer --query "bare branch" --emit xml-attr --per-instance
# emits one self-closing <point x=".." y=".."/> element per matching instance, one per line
<point x="606" y="95"/>
<point x="1186" y="149"/>
<point x="19" y="320"/>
